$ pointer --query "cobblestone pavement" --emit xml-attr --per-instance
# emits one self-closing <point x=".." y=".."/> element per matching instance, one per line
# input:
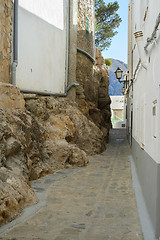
<point x="96" y="202"/>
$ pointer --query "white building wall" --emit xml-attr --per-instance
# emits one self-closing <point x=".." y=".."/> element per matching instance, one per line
<point x="50" y="11"/>
<point x="117" y="104"/>
<point x="42" y="45"/>
<point x="144" y="100"/>
<point x="147" y="81"/>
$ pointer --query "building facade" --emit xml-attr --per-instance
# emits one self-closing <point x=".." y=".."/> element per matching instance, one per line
<point x="143" y="100"/>
<point x="117" y="111"/>
<point x="39" y="40"/>
<point x="86" y="47"/>
<point x="43" y="29"/>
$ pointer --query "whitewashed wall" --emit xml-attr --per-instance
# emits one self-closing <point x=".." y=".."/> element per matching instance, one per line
<point x="117" y="102"/>
<point x="146" y="93"/>
<point x="144" y="102"/>
<point x="42" y="45"/>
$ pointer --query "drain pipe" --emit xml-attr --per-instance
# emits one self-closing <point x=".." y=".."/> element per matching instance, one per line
<point x="15" y="41"/>
<point x="87" y="55"/>
<point x="72" y="85"/>
<point x="67" y="44"/>
<point x="45" y="93"/>
<point x="67" y="88"/>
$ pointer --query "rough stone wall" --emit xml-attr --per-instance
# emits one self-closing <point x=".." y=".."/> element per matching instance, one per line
<point x="102" y="118"/>
<point x="72" y="48"/>
<point x="85" y="41"/>
<point x="85" y="10"/>
<point x="96" y="106"/>
<point x="10" y="97"/>
<point x="43" y="134"/>
<point x="5" y="40"/>
<point x="37" y="137"/>
<point x="93" y="78"/>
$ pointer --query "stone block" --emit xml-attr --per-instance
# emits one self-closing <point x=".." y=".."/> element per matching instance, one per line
<point x="10" y="97"/>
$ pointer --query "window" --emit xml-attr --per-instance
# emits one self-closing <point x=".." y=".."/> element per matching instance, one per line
<point x="142" y="125"/>
<point x="87" y="28"/>
<point x="126" y="112"/>
<point x="154" y="113"/>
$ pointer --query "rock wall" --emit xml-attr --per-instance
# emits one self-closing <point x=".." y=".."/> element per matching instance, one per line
<point x="102" y="118"/>
<point x="10" y="97"/>
<point x="40" y="135"/>
<point x="64" y="121"/>
<point x="85" y="41"/>
<point x="5" y="40"/>
<point x="92" y="94"/>
<point x="85" y="26"/>
<point x="49" y="134"/>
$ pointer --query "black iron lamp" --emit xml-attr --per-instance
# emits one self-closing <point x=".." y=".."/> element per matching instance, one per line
<point x="118" y="74"/>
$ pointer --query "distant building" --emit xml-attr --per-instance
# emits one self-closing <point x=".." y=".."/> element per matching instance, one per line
<point x="143" y="100"/>
<point x="117" y="111"/>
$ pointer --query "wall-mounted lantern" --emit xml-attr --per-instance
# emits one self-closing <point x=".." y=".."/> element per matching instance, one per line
<point x="118" y="74"/>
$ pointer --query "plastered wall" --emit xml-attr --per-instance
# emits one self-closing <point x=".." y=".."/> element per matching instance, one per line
<point x="42" y="45"/>
<point x="146" y="88"/>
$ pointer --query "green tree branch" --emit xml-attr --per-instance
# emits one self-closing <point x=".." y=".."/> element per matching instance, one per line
<point x="107" y="21"/>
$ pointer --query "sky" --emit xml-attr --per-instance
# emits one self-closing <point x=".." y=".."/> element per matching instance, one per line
<point x="119" y="45"/>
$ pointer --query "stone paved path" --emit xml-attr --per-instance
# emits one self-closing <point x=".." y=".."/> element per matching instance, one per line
<point x="92" y="203"/>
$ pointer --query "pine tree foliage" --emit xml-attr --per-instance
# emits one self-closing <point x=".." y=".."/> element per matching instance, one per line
<point x="107" y="21"/>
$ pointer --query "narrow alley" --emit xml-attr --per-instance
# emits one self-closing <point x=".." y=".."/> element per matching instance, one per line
<point x="96" y="202"/>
